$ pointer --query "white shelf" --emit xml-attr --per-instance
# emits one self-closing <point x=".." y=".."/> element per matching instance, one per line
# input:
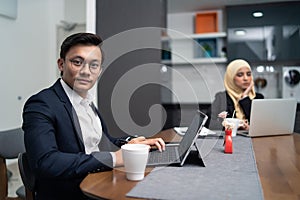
<point x="195" y="36"/>
<point x="196" y="61"/>
<point x="187" y="48"/>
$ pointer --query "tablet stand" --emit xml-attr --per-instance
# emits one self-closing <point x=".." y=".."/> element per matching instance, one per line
<point x="194" y="157"/>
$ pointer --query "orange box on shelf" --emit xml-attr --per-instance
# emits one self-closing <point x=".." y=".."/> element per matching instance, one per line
<point x="206" y="22"/>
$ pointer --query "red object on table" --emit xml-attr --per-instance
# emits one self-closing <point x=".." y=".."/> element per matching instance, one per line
<point x="228" y="141"/>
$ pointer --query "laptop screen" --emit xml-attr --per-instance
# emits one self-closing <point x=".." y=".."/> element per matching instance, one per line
<point x="272" y="117"/>
<point x="191" y="134"/>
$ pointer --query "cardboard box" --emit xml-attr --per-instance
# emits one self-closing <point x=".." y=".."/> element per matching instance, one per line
<point x="206" y="22"/>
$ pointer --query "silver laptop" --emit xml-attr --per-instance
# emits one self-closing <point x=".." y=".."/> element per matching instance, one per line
<point x="178" y="153"/>
<point x="271" y="117"/>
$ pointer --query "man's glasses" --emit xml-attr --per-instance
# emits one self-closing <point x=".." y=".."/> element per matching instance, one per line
<point x="78" y="63"/>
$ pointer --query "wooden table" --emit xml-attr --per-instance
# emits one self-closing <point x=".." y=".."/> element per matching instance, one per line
<point x="278" y="163"/>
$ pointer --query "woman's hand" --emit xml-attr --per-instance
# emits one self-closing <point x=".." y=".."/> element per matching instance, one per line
<point x="245" y="125"/>
<point x="158" y="142"/>
<point x="246" y="92"/>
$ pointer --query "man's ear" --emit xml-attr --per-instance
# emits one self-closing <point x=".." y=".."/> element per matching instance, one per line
<point x="60" y="64"/>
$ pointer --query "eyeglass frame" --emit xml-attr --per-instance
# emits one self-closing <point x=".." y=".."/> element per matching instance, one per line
<point x="83" y="63"/>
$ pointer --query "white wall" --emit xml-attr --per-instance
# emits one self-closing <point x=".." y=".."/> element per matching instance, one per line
<point x="75" y="11"/>
<point x="29" y="52"/>
<point x="8" y="8"/>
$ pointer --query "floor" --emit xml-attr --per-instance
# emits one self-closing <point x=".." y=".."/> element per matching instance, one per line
<point x="15" y="181"/>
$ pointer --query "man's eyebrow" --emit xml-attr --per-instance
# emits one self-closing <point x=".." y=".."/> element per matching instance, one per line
<point x="74" y="57"/>
<point x="80" y="57"/>
<point x="93" y="60"/>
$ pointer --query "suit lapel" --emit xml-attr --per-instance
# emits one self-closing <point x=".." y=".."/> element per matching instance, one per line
<point x="70" y="110"/>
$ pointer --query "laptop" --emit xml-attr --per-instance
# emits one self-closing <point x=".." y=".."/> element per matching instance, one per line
<point x="176" y="154"/>
<point x="271" y="117"/>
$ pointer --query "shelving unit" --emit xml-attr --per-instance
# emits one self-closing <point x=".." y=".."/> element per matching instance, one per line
<point x="195" y="61"/>
<point x="186" y="47"/>
<point x="196" y="36"/>
<point x="193" y="76"/>
<point x="190" y="55"/>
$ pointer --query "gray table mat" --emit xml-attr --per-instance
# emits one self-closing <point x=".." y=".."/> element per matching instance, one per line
<point x="226" y="176"/>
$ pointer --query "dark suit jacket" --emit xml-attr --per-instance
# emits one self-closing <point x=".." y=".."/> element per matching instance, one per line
<point x="223" y="102"/>
<point x="55" y="148"/>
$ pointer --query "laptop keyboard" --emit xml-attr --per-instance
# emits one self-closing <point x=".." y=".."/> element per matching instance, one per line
<point x="168" y="156"/>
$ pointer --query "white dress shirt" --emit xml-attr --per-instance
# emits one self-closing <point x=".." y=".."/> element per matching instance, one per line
<point x="90" y="123"/>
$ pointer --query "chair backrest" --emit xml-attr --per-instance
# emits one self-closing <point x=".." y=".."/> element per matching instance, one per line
<point x="11" y="144"/>
<point x="27" y="176"/>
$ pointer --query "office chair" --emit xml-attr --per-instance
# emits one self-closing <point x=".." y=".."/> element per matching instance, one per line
<point x="11" y="144"/>
<point x="27" y="176"/>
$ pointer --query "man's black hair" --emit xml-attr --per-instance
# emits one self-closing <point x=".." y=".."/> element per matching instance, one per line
<point x="79" y="38"/>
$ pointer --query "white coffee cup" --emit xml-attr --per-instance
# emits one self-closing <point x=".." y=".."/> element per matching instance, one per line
<point x="234" y="122"/>
<point x="135" y="158"/>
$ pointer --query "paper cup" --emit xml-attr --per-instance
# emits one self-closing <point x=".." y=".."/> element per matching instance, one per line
<point x="235" y="124"/>
<point x="135" y="157"/>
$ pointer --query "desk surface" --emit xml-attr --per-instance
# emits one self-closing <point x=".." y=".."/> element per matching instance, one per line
<point x="278" y="163"/>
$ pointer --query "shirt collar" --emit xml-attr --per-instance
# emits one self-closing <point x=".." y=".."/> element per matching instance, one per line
<point x="74" y="97"/>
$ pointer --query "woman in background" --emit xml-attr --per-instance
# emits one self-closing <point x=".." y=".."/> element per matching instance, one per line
<point x="238" y="95"/>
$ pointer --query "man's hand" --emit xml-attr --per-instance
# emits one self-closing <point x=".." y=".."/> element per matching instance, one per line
<point x="119" y="158"/>
<point x="158" y="142"/>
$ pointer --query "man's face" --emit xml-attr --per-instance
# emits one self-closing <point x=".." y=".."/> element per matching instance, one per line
<point x="81" y="67"/>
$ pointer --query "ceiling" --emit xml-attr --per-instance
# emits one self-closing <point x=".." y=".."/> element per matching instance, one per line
<point x="176" y="6"/>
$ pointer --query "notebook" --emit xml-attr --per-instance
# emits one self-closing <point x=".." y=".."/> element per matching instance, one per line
<point x="271" y="117"/>
<point x="178" y="153"/>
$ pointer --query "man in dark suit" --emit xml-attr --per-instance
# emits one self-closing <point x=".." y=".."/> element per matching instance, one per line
<point x="63" y="129"/>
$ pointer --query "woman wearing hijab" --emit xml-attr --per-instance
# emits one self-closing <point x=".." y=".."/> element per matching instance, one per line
<point x="238" y="95"/>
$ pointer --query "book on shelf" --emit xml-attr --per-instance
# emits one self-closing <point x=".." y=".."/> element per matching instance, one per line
<point x="206" y="48"/>
<point x="166" y="51"/>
